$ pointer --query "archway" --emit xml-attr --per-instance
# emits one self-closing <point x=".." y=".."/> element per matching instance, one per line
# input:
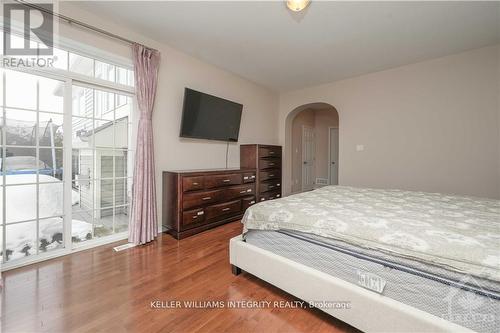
<point x="311" y="147"/>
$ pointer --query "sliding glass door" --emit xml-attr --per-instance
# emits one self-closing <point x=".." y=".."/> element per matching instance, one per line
<point x="65" y="159"/>
<point x="101" y="178"/>
<point x="31" y="193"/>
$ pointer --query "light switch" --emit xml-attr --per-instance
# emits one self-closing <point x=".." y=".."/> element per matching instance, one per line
<point x="360" y="147"/>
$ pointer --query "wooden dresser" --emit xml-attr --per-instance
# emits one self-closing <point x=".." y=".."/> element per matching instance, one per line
<point x="266" y="159"/>
<point x="194" y="201"/>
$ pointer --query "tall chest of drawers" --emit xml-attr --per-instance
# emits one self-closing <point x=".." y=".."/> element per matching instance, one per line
<point x="194" y="201"/>
<point x="267" y="161"/>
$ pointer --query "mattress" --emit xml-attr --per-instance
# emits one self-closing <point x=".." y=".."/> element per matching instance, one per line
<point x="462" y="299"/>
<point x="456" y="233"/>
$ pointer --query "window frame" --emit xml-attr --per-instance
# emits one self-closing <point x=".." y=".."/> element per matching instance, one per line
<point x="70" y="79"/>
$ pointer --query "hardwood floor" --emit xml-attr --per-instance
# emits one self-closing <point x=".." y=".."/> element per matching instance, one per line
<point x="100" y="290"/>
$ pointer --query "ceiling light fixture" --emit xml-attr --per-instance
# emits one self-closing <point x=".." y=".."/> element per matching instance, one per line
<point x="297" y="5"/>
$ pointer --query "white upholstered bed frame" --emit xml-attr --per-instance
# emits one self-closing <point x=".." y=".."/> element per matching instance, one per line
<point x="369" y="312"/>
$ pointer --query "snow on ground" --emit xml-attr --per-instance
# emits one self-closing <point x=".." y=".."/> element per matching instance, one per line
<point x="21" y="205"/>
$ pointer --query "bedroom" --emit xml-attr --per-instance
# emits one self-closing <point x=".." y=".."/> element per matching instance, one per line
<point x="415" y="218"/>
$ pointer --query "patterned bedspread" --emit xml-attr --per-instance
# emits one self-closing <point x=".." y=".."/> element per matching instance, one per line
<point x="454" y="232"/>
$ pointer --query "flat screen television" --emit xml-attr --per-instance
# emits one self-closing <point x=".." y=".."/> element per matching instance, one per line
<point x="209" y="117"/>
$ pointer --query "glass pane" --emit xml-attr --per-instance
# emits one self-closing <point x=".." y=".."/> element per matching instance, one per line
<point x="104" y="71"/>
<point x="82" y="197"/>
<point x="50" y="199"/>
<point x="80" y="64"/>
<point x="20" y="240"/>
<point x="20" y="90"/>
<point x="1" y="90"/>
<point x="121" y="133"/>
<point x="81" y="226"/>
<point x="130" y="77"/>
<point x="123" y="107"/>
<point x="103" y="222"/>
<point x="21" y="161"/>
<point x="50" y="129"/>
<point x="121" y="192"/>
<point x="82" y="132"/>
<point x="50" y="234"/>
<point x="121" y="218"/>
<point x="53" y="164"/>
<point x="105" y="191"/>
<point x="103" y="133"/>
<point x="121" y="159"/>
<point x="104" y="104"/>
<point x="20" y="128"/>
<point x="124" y="76"/>
<point x="51" y="95"/>
<point x="83" y="102"/>
<point x="121" y="75"/>
<point x="83" y="164"/>
<point x="21" y="201"/>
<point x="61" y="59"/>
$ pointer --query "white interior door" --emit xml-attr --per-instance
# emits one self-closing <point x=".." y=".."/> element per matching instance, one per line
<point x="307" y="158"/>
<point x="334" y="156"/>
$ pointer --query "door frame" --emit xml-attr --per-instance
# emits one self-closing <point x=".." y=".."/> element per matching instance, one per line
<point x="68" y="80"/>
<point x="330" y="153"/>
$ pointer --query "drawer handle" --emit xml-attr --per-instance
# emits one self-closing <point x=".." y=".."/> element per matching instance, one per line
<point x="245" y="178"/>
<point x="271" y="186"/>
<point x="253" y="177"/>
<point x="196" y="184"/>
<point x="201" y="213"/>
<point x="271" y="175"/>
<point x="271" y="152"/>
<point x="241" y="192"/>
<point x="206" y="198"/>
<point x="252" y="202"/>
<point x="278" y="184"/>
<point x="271" y="163"/>
<point x="262" y="199"/>
<point x="226" y="180"/>
<point x="249" y="190"/>
<point x="195" y="217"/>
<point x="225" y="209"/>
<point x="277" y="195"/>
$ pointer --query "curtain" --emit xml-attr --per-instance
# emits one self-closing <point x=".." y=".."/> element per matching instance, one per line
<point x="143" y="226"/>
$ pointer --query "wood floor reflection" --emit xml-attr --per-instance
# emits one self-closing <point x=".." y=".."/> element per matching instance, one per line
<point x="104" y="291"/>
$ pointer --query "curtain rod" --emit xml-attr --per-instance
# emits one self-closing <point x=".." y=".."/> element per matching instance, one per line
<point x="76" y="22"/>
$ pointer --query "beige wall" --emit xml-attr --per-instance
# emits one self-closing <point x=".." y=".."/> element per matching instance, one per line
<point x="321" y="120"/>
<point x="429" y="126"/>
<point x="177" y="71"/>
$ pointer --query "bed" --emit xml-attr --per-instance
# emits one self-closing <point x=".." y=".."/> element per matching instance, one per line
<point x="402" y="261"/>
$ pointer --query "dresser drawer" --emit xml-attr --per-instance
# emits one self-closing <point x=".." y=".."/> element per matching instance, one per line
<point x="227" y="208"/>
<point x="270" y="174"/>
<point x="193" y="217"/>
<point x="248" y="177"/>
<point x="270" y="195"/>
<point x="192" y="183"/>
<point x="223" y="180"/>
<point x="239" y="191"/>
<point x="247" y="202"/>
<point x="269" y="151"/>
<point x="270" y="186"/>
<point x="200" y="199"/>
<point x="269" y="163"/>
